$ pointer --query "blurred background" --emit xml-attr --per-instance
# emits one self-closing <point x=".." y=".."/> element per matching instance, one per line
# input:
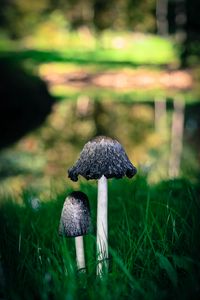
<point x="70" y="70"/>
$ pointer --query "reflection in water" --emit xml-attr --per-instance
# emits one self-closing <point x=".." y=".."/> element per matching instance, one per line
<point x="42" y="158"/>
<point x="160" y="115"/>
<point x="176" y="138"/>
<point x="160" y="164"/>
<point x="25" y="102"/>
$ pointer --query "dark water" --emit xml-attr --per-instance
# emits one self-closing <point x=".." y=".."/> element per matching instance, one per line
<point x="25" y="102"/>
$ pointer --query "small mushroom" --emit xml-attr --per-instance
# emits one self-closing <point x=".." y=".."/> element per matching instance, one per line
<point x="102" y="158"/>
<point x="75" y="222"/>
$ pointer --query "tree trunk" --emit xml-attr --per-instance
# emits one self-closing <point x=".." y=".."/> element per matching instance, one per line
<point x="162" y="17"/>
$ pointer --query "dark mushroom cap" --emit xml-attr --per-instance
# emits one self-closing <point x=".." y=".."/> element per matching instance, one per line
<point x="102" y="156"/>
<point x="75" y="217"/>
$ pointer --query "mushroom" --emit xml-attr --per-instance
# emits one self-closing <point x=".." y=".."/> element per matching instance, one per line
<point x="102" y="158"/>
<point x="75" y="221"/>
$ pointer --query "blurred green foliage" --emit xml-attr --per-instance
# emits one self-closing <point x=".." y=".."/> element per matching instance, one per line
<point x="56" y="19"/>
<point x="20" y="17"/>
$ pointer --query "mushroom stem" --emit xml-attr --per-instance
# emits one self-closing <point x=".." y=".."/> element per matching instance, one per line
<point x="102" y="226"/>
<point x="80" y="256"/>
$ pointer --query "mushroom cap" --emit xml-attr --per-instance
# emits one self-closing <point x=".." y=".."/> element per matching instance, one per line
<point x="102" y="156"/>
<point x="75" y="218"/>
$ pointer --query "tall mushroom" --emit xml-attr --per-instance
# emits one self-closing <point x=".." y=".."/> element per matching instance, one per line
<point x="75" y="221"/>
<point x="102" y="158"/>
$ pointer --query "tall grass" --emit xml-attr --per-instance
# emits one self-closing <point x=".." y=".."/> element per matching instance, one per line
<point x="153" y="239"/>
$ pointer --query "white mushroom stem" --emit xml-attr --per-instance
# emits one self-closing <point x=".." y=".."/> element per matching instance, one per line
<point x="102" y="226"/>
<point x="80" y="256"/>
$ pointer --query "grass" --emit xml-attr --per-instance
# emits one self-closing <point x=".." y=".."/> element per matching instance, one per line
<point x="110" y="50"/>
<point x="153" y="238"/>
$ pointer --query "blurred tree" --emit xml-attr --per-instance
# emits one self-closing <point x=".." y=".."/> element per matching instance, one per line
<point x="78" y="12"/>
<point x="141" y="15"/>
<point x="21" y="17"/>
<point x="103" y="14"/>
<point x="191" y="47"/>
<point x="162" y="17"/>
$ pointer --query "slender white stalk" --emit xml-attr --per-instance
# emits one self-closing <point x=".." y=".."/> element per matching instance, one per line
<point x="80" y="256"/>
<point x="102" y="226"/>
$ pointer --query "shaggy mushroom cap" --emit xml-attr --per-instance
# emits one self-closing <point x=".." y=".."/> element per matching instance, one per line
<point x="102" y="156"/>
<point x="75" y="217"/>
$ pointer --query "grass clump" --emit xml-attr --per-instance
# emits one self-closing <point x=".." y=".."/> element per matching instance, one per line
<point x="153" y="236"/>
